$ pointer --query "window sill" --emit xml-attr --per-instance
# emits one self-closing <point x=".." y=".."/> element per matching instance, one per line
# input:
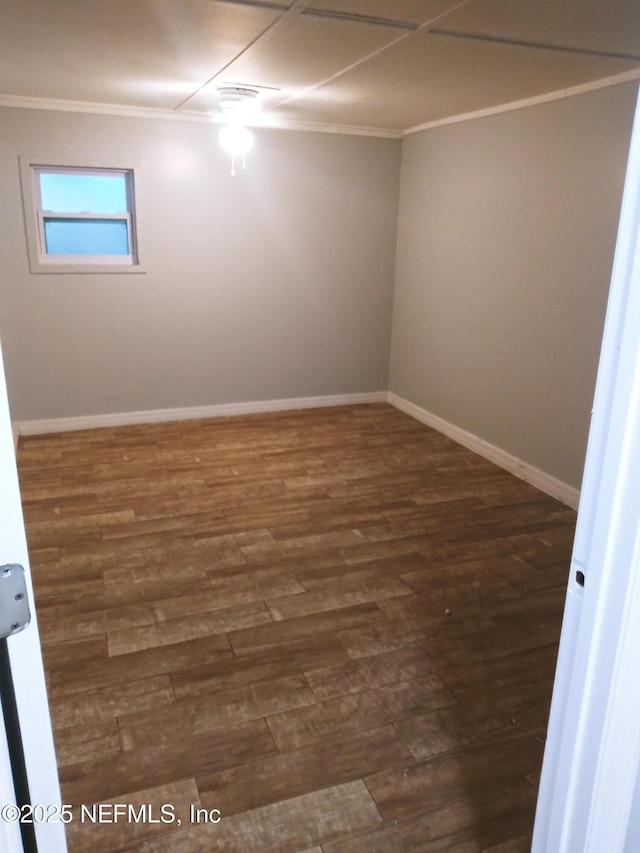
<point x="85" y="269"/>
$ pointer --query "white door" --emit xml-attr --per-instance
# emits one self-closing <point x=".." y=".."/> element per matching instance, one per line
<point x="28" y="682"/>
<point x="589" y="797"/>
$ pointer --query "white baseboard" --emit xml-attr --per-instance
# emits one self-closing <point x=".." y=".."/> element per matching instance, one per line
<point x="15" y="429"/>
<point x="540" y="479"/>
<point x="218" y="411"/>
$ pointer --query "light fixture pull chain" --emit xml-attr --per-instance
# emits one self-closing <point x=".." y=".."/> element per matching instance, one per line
<point x="236" y="140"/>
<point x="233" y="163"/>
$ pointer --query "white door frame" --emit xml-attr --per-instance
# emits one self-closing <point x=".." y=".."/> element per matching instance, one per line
<point x="26" y="666"/>
<point x="592" y="757"/>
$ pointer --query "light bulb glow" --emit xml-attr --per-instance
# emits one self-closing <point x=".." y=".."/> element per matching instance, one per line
<point x="236" y="139"/>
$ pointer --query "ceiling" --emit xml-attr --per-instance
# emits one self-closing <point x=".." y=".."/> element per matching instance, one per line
<point x="384" y="67"/>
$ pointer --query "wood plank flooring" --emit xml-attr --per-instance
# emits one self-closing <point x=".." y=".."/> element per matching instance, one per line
<point x="335" y="626"/>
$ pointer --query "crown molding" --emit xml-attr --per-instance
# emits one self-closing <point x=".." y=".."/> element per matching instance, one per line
<point x="558" y="95"/>
<point x="348" y="130"/>
<point x="29" y="103"/>
<point x="25" y="102"/>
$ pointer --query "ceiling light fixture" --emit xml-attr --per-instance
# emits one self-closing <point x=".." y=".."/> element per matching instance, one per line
<point x="238" y="103"/>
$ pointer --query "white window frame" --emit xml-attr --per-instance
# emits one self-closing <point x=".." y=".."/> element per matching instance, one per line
<point x="35" y="217"/>
<point x="44" y="215"/>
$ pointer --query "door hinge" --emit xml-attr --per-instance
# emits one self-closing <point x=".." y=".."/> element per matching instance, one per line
<point x="14" y="603"/>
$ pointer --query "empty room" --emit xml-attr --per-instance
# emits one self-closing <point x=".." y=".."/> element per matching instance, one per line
<point x="301" y="312"/>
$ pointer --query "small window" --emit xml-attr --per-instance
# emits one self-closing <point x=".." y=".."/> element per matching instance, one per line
<point x="84" y="215"/>
<point x="83" y="219"/>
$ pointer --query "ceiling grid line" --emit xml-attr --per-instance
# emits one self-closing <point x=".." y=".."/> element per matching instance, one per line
<point x="533" y="44"/>
<point x="422" y="28"/>
<point x="287" y="15"/>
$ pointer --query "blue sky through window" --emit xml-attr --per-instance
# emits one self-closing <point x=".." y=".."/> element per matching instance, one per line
<point x="81" y="193"/>
<point x="86" y="236"/>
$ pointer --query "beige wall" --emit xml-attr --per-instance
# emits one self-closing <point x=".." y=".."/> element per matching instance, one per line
<point x="506" y="235"/>
<point x="274" y="284"/>
<point x="279" y="283"/>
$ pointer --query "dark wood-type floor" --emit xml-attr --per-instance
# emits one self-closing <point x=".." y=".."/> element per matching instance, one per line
<point x="335" y="626"/>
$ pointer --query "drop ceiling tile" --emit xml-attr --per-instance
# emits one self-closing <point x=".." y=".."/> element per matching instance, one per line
<point x="163" y="53"/>
<point x="121" y="51"/>
<point x="610" y="27"/>
<point x="303" y="53"/>
<point x="429" y="77"/>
